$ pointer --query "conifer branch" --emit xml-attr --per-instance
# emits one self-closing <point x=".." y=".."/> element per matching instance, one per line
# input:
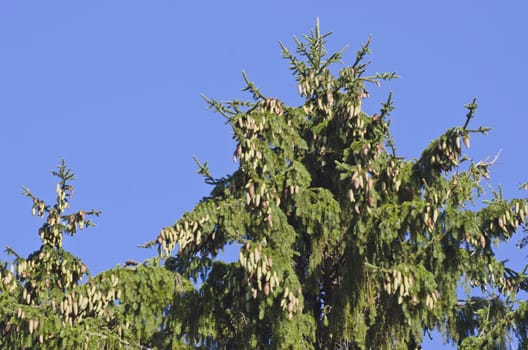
<point x="472" y="108"/>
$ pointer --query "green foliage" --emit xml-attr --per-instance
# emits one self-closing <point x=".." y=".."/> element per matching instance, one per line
<point x="343" y="243"/>
<point x="44" y="305"/>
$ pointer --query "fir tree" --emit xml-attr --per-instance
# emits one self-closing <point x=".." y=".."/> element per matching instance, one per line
<point x="45" y="305"/>
<point x="344" y="244"/>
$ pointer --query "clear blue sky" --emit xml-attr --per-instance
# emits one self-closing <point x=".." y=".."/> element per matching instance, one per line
<point x="114" y="88"/>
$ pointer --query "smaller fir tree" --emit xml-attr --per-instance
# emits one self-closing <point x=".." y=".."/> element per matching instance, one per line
<point x="45" y="305"/>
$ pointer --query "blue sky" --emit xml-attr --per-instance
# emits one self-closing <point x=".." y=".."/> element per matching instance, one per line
<point x="113" y="87"/>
